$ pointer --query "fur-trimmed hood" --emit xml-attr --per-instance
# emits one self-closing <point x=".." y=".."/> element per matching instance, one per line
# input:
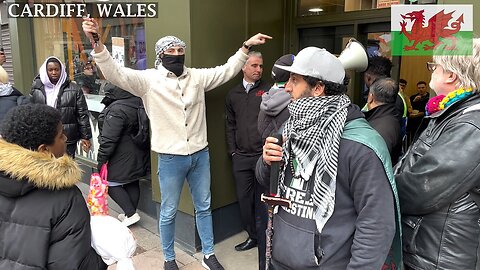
<point x="22" y="170"/>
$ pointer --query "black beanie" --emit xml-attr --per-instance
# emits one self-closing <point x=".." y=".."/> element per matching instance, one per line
<point x="280" y="75"/>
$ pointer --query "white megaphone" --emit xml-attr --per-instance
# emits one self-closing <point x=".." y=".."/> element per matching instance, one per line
<point x="354" y="56"/>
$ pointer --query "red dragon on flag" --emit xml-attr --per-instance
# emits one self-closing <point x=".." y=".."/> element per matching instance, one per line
<point x="438" y="28"/>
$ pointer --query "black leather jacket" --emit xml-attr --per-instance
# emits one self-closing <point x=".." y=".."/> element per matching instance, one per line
<point x="440" y="218"/>
<point x="71" y="104"/>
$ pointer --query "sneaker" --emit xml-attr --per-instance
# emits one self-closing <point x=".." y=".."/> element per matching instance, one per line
<point x="170" y="265"/>
<point x="211" y="263"/>
<point x="121" y="217"/>
<point x="131" y="220"/>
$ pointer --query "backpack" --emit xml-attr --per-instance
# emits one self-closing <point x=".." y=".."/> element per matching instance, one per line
<point x="140" y="137"/>
<point x="140" y="134"/>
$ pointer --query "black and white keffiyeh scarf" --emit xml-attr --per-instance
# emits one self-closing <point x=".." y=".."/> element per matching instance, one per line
<point x="313" y="134"/>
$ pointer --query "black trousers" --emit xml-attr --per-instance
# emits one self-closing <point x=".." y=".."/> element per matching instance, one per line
<point x="253" y="212"/>
<point x="126" y="196"/>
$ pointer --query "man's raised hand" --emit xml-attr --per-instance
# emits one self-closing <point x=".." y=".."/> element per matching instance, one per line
<point x="257" y="39"/>
<point x="89" y="26"/>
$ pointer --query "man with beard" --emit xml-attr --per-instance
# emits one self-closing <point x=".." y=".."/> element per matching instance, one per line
<point x="245" y="146"/>
<point x="336" y="171"/>
<point x="174" y="99"/>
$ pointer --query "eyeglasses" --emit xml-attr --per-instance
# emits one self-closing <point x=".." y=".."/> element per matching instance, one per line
<point x="431" y="66"/>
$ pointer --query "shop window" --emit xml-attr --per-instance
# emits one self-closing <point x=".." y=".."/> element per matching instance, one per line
<point x="319" y="7"/>
<point x="378" y="44"/>
<point x="65" y="39"/>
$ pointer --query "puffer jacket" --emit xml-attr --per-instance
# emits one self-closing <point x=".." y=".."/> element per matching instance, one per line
<point x="9" y="98"/>
<point x="117" y="122"/>
<point x="439" y="216"/>
<point x="73" y="108"/>
<point x="44" y="220"/>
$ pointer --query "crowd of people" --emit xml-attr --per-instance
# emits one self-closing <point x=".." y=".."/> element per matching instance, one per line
<point x="391" y="186"/>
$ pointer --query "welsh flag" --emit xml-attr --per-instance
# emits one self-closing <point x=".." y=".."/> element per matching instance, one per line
<point x="432" y="29"/>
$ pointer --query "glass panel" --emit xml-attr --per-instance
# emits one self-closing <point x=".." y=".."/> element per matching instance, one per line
<point x="379" y="44"/>
<point x="319" y="7"/>
<point x="64" y="38"/>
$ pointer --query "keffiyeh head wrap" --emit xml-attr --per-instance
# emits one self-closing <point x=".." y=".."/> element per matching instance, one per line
<point x="164" y="44"/>
<point x="313" y="134"/>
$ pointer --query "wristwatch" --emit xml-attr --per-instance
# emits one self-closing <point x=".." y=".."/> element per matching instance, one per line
<point x="246" y="46"/>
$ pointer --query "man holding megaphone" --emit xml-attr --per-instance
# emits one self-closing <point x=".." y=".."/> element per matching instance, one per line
<point x="336" y="172"/>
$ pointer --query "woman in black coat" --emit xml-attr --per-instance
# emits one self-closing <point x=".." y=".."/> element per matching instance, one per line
<point x="45" y="223"/>
<point x="52" y="87"/>
<point x="127" y="161"/>
<point x="9" y="96"/>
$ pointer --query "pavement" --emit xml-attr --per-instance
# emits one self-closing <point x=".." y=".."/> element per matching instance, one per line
<point x="149" y="253"/>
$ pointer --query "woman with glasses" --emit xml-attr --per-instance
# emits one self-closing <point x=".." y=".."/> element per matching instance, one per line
<point x="439" y="177"/>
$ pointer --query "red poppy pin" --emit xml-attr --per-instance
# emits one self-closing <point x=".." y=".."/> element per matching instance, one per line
<point x="260" y="93"/>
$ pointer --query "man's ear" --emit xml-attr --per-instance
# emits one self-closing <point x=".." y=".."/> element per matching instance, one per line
<point x="318" y="90"/>
<point x="367" y="79"/>
<point x="43" y="148"/>
<point x="370" y="99"/>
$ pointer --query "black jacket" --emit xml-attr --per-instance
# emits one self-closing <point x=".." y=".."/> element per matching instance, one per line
<point x="359" y="233"/>
<point x="73" y="108"/>
<point x="126" y="161"/>
<point x="419" y="105"/>
<point x="385" y="120"/>
<point x="440" y="219"/>
<point x="11" y="100"/>
<point x="45" y="223"/>
<point x="242" y="119"/>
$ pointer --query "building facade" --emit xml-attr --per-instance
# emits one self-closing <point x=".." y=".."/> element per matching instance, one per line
<point x="213" y="30"/>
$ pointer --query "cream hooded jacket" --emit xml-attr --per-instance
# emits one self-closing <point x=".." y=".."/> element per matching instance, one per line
<point x="175" y="105"/>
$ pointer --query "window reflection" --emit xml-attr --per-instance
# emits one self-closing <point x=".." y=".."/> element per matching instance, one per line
<point x="64" y="38"/>
<point x="319" y="7"/>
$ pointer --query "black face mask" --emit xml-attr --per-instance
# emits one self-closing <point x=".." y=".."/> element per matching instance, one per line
<point x="174" y="63"/>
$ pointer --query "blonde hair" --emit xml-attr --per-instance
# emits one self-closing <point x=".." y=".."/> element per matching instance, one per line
<point x="3" y="75"/>
<point x="465" y="67"/>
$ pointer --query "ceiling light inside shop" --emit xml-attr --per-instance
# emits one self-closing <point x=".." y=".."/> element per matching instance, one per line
<point x="316" y="10"/>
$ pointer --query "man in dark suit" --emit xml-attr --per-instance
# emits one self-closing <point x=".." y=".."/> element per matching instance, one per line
<point x="245" y="147"/>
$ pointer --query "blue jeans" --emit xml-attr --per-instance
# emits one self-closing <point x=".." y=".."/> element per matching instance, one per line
<point x="172" y="171"/>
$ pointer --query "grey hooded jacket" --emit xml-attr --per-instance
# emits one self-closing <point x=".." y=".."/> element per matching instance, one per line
<point x="273" y="111"/>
